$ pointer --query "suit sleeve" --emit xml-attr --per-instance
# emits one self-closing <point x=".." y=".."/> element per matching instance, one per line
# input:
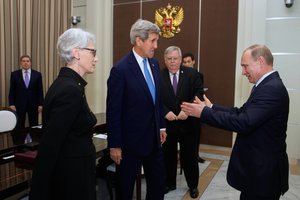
<point x="114" y="102"/>
<point x="249" y="117"/>
<point x="198" y="85"/>
<point x="40" y="93"/>
<point x="161" y="103"/>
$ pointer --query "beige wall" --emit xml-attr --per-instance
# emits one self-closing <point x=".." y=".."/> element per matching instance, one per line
<point x="271" y="23"/>
<point x="96" y="17"/>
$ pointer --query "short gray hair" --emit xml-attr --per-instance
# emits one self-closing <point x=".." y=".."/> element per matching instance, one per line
<point x="173" y="48"/>
<point x="73" y="38"/>
<point x="258" y="50"/>
<point x="141" y="28"/>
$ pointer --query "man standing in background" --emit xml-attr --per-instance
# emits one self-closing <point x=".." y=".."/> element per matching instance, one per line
<point x="26" y="93"/>
<point x="188" y="60"/>
<point x="180" y="84"/>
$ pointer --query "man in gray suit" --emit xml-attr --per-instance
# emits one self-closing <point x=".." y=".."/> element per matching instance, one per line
<point x="258" y="165"/>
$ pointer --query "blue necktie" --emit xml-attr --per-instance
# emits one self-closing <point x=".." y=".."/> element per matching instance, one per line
<point x="149" y="80"/>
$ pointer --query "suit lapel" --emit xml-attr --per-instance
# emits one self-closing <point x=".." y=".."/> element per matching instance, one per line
<point x="31" y="77"/>
<point x="139" y="75"/>
<point x="20" y="77"/>
<point x="266" y="80"/>
<point x="167" y="81"/>
<point x="181" y="79"/>
<point x="155" y="73"/>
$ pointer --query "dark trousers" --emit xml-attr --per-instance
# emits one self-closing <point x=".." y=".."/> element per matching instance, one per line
<point x="198" y="133"/>
<point x="245" y="196"/>
<point x="188" y="159"/>
<point x="73" y="178"/>
<point x="154" y="171"/>
<point x="32" y="118"/>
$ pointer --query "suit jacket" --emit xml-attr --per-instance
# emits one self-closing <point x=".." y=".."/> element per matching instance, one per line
<point x="189" y="85"/>
<point x="259" y="162"/>
<point x="133" y="121"/>
<point x="66" y="141"/>
<point x="20" y="96"/>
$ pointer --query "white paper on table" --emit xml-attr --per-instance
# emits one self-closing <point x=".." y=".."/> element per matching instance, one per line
<point x="101" y="136"/>
<point x="39" y="126"/>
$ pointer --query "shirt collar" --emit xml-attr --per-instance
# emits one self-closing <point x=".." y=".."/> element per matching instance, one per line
<point x="138" y="58"/>
<point x="263" y="77"/>
<point x="28" y="70"/>
<point x="177" y="73"/>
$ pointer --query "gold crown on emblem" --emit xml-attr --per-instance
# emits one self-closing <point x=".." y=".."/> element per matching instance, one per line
<point x="168" y="19"/>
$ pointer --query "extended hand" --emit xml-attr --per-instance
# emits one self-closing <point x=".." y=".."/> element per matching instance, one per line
<point x="193" y="109"/>
<point x="206" y="101"/>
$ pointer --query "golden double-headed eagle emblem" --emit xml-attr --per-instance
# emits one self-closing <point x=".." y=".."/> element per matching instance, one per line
<point x="168" y="19"/>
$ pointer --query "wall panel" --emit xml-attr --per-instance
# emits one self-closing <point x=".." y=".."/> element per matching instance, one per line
<point x="210" y="35"/>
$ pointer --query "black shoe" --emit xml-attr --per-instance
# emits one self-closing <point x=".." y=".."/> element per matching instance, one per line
<point x="168" y="189"/>
<point x="200" y="160"/>
<point x="194" y="193"/>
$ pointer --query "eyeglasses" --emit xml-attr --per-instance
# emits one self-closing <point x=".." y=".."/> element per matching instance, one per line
<point x="93" y="51"/>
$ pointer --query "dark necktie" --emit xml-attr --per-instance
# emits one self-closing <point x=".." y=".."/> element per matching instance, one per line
<point x="149" y="80"/>
<point x="26" y="79"/>
<point x="253" y="88"/>
<point x="175" y="83"/>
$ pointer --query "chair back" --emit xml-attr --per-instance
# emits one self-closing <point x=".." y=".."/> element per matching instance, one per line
<point x="8" y="120"/>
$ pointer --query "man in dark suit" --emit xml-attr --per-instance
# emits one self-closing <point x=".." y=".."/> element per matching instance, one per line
<point x="135" y="120"/>
<point x="180" y="84"/>
<point x="258" y="165"/>
<point x="26" y="93"/>
<point x="188" y="60"/>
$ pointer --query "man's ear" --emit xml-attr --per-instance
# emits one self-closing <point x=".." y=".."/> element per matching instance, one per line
<point x="261" y="60"/>
<point x="138" y="41"/>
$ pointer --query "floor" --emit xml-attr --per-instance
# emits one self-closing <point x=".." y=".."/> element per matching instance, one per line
<point x="212" y="181"/>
